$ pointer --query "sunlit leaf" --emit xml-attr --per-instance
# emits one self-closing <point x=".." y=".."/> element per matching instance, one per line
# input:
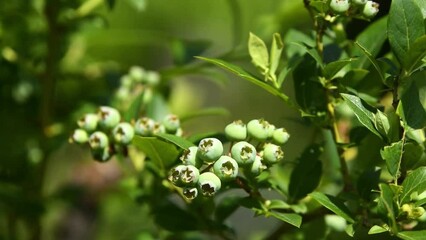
<point x="412" y="235"/>
<point x="392" y="155"/>
<point x="291" y="218"/>
<point x="258" y="52"/>
<point x="178" y="141"/>
<point x="414" y="183"/>
<point x="333" y="204"/>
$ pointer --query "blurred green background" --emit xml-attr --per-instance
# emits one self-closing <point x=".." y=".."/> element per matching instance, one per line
<point x="62" y="58"/>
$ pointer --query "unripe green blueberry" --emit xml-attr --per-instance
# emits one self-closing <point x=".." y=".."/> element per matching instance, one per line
<point x="123" y="133"/>
<point x="98" y="140"/>
<point x="359" y="2"/>
<point x="236" y="131"/>
<point x="340" y="6"/>
<point x="258" y="129"/>
<point x="171" y="123"/>
<point x="126" y="81"/>
<point x="280" y="136"/>
<point x="89" y="122"/>
<point x="108" y="117"/>
<point x="79" y="136"/>
<point x="102" y="155"/>
<point x="179" y="132"/>
<point x="189" y="157"/>
<point x="122" y="93"/>
<point x="270" y="129"/>
<point x="144" y="126"/>
<point x="152" y="78"/>
<point x="243" y="152"/>
<point x="209" y="184"/>
<point x="226" y="168"/>
<point x="189" y="175"/>
<point x="190" y="193"/>
<point x="257" y="167"/>
<point x="210" y="149"/>
<point x="272" y="153"/>
<point x="175" y="175"/>
<point x="137" y="73"/>
<point x="370" y="9"/>
<point x="158" y="128"/>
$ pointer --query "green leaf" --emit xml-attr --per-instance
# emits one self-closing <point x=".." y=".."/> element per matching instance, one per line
<point x="275" y="55"/>
<point x="288" y="68"/>
<point x="386" y="204"/>
<point x="134" y="109"/>
<point x="306" y="176"/>
<point x="392" y="155"/>
<point x="291" y="218"/>
<point x="422" y="5"/>
<point x="173" y="218"/>
<point x="412" y="156"/>
<point x="376" y="230"/>
<point x="213" y="111"/>
<point x="412" y="235"/>
<point x="278" y="204"/>
<point x="178" y="141"/>
<point x="414" y="183"/>
<point x="139" y="5"/>
<point x="367" y="182"/>
<point x="381" y="123"/>
<point x="372" y="38"/>
<point x="313" y="52"/>
<point x="110" y="3"/>
<point x="247" y="76"/>
<point x="372" y="60"/>
<point x="420" y="202"/>
<point x="196" y="138"/>
<point x="331" y="69"/>
<point x="333" y="204"/>
<point x="226" y="208"/>
<point x="405" y="25"/>
<point x="258" y="52"/>
<point x="413" y="101"/>
<point x="162" y="153"/>
<point x="415" y="54"/>
<point x="365" y="116"/>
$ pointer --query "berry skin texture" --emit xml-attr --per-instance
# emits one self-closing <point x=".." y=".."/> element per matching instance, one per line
<point x="98" y="140"/>
<point x="236" y="131"/>
<point x="190" y="193"/>
<point x="257" y="167"/>
<point x="109" y="117"/>
<point x="210" y="149"/>
<point x="144" y="127"/>
<point x="243" y="152"/>
<point x="258" y="129"/>
<point x="272" y="153"/>
<point x="175" y="175"/>
<point x="280" y="136"/>
<point x="370" y="9"/>
<point x="359" y="2"/>
<point x="340" y="6"/>
<point x="189" y="157"/>
<point x="226" y="168"/>
<point x="171" y="123"/>
<point x="89" y="122"/>
<point x="79" y="136"/>
<point x="189" y="175"/>
<point x="123" y="133"/>
<point x="209" y="184"/>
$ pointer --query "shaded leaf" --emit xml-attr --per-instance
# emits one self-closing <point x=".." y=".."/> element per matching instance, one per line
<point x="367" y="182"/>
<point x="362" y="112"/>
<point x="372" y="38"/>
<point x="278" y="204"/>
<point x="412" y="156"/>
<point x="110" y="3"/>
<point x="258" y="52"/>
<point x="312" y="52"/>
<point x="331" y="69"/>
<point x="413" y="101"/>
<point x="333" y="204"/>
<point x="414" y="183"/>
<point x="373" y="61"/>
<point x="405" y="25"/>
<point x="178" y="141"/>
<point x="415" y="54"/>
<point x="226" y="208"/>
<point x="412" y="235"/>
<point x="392" y="155"/>
<point x="288" y="68"/>
<point x="173" y="218"/>
<point x="377" y="229"/>
<point x="291" y="218"/>
<point x="306" y="176"/>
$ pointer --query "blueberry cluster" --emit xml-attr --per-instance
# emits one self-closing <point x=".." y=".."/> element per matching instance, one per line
<point x="206" y="167"/>
<point x="107" y="135"/>
<point x="367" y="9"/>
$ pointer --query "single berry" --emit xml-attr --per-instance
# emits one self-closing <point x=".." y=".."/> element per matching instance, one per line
<point x="137" y="73"/>
<point x="210" y="149"/>
<point x="190" y="193"/>
<point x="158" y="128"/>
<point x="79" y="136"/>
<point x="243" y="152"/>
<point x="370" y="9"/>
<point x="109" y="117"/>
<point x="189" y="175"/>
<point x="123" y="133"/>
<point x="280" y="136"/>
<point x="209" y="184"/>
<point x="270" y="129"/>
<point x="359" y="2"/>
<point x="189" y="157"/>
<point x="258" y="129"/>
<point x="126" y="81"/>
<point x="175" y="175"/>
<point x="257" y="167"/>
<point x="272" y="153"/>
<point x="236" y="131"/>
<point x="89" y="122"/>
<point x="144" y="127"/>
<point x="179" y="132"/>
<point x="152" y="78"/>
<point x="102" y="155"/>
<point x="171" y="123"/>
<point x="226" y="168"/>
<point x="98" y="140"/>
<point x="340" y="6"/>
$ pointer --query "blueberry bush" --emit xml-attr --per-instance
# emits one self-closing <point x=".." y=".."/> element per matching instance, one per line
<point x="94" y="148"/>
